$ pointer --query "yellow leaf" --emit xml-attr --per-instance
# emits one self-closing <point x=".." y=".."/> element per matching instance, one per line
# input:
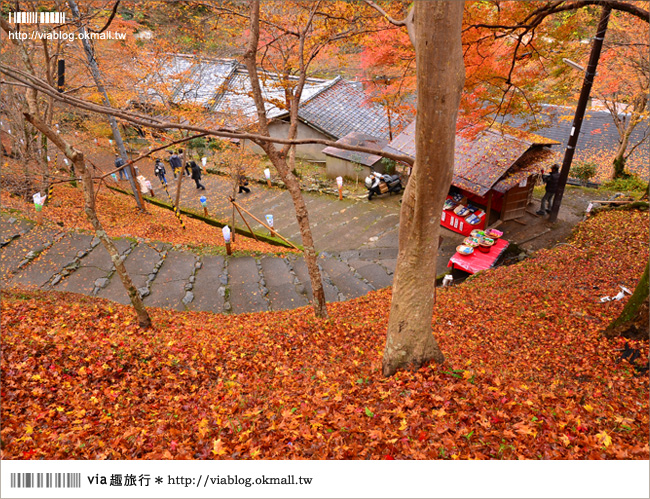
<point x="218" y="448"/>
<point x="203" y="427"/>
<point x="588" y="408"/>
<point x="467" y="374"/>
<point x="565" y="440"/>
<point x="604" y="438"/>
<point x="29" y="430"/>
<point x="404" y="425"/>
<point x="439" y="413"/>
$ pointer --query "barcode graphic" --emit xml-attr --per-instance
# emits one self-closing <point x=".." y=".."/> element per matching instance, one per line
<point x="35" y="17"/>
<point x="45" y="480"/>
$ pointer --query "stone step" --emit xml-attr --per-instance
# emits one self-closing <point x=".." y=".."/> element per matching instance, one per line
<point x="96" y="265"/>
<point x="141" y="264"/>
<point x="210" y="286"/>
<point x="375" y="274"/>
<point x="24" y="247"/>
<point x="388" y="239"/>
<point x="279" y="281"/>
<point x="169" y="287"/>
<point x="342" y="276"/>
<point x="12" y="227"/>
<point x="63" y="253"/>
<point x="300" y="269"/>
<point x="244" y="292"/>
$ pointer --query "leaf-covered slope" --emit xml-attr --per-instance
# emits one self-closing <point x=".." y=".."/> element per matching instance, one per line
<point x="528" y="374"/>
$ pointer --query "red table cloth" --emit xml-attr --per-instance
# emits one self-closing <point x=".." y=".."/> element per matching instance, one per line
<point x="477" y="260"/>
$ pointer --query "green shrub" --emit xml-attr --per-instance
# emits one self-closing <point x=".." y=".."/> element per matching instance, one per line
<point x="215" y="145"/>
<point x="583" y="171"/>
<point x="631" y="183"/>
<point x="389" y="165"/>
<point x="197" y="143"/>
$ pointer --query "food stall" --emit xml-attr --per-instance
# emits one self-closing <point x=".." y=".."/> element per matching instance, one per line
<point x="479" y="251"/>
<point x="495" y="171"/>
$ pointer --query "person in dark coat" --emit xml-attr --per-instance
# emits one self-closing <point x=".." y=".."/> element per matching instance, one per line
<point x="243" y="184"/>
<point x="196" y="174"/>
<point x="160" y="172"/>
<point x="124" y="175"/>
<point x="552" y="181"/>
<point x="176" y="164"/>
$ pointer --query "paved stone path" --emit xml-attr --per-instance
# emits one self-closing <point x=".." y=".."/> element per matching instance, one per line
<point x="37" y="257"/>
<point x="336" y="225"/>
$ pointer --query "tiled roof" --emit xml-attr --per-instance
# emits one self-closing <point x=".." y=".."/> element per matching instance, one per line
<point x="529" y="163"/>
<point x="219" y="84"/>
<point x="343" y="108"/>
<point x="237" y="98"/>
<point x="357" y="139"/>
<point x="597" y="134"/>
<point x="480" y="161"/>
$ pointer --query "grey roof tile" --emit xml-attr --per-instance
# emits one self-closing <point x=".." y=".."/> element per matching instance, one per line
<point x="343" y="108"/>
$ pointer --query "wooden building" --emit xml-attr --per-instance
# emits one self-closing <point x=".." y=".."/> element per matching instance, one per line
<point x="495" y="169"/>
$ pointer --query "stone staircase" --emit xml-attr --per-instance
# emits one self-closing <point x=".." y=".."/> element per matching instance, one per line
<point x="41" y="258"/>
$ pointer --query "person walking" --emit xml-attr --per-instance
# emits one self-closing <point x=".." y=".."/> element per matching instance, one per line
<point x="243" y="184"/>
<point x="119" y="162"/>
<point x="552" y="181"/>
<point x="176" y="164"/>
<point x="159" y="171"/>
<point x="196" y="174"/>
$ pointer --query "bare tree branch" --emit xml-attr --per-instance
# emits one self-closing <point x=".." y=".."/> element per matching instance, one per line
<point x="110" y="19"/>
<point x="152" y="122"/>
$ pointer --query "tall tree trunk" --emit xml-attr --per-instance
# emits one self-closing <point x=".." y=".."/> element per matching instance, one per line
<point x="633" y="321"/>
<point x="94" y="69"/>
<point x="278" y="159"/>
<point x="440" y="76"/>
<point x="77" y="159"/>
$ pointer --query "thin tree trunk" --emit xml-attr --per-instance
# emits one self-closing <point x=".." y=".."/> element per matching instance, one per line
<point x="635" y="119"/>
<point x="77" y="159"/>
<point x="94" y="68"/>
<point x="278" y="159"/>
<point x="440" y="76"/>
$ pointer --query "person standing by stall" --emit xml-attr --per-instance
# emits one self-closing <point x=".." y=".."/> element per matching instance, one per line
<point x="552" y="181"/>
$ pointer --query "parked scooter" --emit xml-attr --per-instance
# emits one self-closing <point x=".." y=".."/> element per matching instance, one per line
<point x="378" y="184"/>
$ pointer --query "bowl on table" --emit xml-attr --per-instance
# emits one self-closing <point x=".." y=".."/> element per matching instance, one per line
<point x="464" y="250"/>
<point x="472" y="242"/>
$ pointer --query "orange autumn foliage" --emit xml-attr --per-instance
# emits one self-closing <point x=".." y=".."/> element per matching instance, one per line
<point x="528" y="374"/>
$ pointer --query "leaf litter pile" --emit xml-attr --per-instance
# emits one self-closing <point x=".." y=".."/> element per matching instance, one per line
<point x="527" y="373"/>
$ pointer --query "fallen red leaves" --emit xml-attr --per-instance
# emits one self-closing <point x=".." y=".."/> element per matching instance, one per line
<point x="527" y="373"/>
<point x="119" y="216"/>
